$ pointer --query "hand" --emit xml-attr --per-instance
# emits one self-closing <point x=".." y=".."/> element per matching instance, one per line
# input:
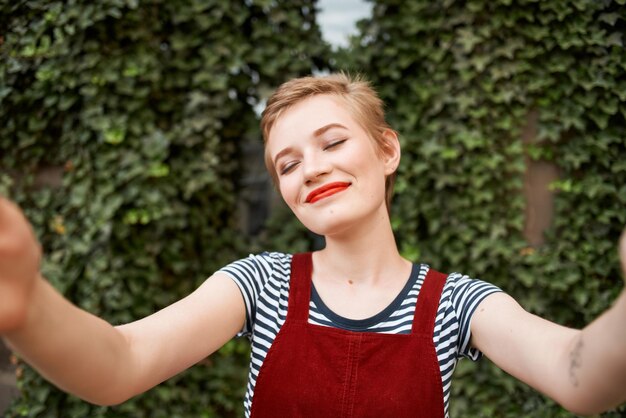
<point x="20" y="257"/>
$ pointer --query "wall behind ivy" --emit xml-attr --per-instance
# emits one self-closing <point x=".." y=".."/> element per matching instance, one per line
<point x="463" y="80"/>
<point x="121" y="123"/>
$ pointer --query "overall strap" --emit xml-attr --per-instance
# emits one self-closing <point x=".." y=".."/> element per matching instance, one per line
<point x="428" y="303"/>
<point x="300" y="287"/>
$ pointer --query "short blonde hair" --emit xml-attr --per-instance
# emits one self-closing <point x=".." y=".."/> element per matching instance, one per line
<point x="360" y="98"/>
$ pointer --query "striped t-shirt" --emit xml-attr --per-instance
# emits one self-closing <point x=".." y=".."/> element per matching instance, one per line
<point x="264" y="283"/>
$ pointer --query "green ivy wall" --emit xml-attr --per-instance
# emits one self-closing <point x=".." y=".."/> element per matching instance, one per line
<point x="464" y="82"/>
<point x="121" y="123"/>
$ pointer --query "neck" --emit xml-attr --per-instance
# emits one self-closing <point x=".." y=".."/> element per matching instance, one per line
<point x="366" y="253"/>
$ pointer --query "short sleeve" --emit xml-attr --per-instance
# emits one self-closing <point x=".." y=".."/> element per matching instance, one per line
<point x="251" y="275"/>
<point x="465" y="296"/>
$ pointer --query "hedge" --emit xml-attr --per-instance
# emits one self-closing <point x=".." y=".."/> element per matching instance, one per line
<point x="121" y="123"/>
<point x="464" y="81"/>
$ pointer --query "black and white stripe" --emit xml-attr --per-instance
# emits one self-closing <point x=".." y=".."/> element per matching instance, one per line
<point x="264" y="283"/>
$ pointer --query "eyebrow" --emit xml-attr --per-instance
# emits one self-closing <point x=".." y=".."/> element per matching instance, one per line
<point x="328" y="127"/>
<point x="316" y="133"/>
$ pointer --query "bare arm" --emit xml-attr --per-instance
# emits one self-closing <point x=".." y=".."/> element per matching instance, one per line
<point x="88" y="357"/>
<point x="583" y="370"/>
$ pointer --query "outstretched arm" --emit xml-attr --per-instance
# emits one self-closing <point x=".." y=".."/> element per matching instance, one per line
<point x="88" y="357"/>
<point x="583" y="370"/>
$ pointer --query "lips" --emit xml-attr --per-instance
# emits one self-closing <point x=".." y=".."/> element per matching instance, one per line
<point x="326" y="191"/>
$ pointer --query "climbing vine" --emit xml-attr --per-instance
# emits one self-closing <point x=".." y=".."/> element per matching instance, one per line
<point x="121" y="123"/>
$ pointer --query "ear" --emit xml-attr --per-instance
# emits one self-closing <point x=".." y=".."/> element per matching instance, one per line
<point x="391" y="151"/>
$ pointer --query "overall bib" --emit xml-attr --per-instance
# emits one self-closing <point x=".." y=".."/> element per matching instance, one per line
<point x="318" y="371"/>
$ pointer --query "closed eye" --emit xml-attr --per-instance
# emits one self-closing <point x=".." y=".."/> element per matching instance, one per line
<point x="288" y="167"/>
<point x="335" y="144"/>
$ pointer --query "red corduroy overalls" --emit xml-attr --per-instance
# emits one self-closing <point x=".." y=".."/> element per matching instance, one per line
<point x="317" y="371"/>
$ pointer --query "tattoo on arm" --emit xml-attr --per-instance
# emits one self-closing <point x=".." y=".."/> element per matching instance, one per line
<point x="575" y="357"/>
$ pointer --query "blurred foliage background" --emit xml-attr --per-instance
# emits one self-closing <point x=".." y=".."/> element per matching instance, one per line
<point x="121" y="123"/>
<point x="126" y="126"/>
<point x="463" y="82"/>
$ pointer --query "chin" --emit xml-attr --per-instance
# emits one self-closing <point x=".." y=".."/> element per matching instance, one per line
<point x="331" y="224"/>
<point x="337" y="219"/>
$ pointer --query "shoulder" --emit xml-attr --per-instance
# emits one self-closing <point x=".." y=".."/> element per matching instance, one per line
<point x="262" y="265"/>
<point x="460" y="297"/>
<point x="462" y="290"/>
<point x="262" y="279"/>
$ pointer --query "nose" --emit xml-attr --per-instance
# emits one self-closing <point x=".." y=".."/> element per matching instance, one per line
<point x="314" y="166"/>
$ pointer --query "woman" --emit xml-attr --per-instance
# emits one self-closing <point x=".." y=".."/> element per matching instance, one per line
<point x="351" y="330"/>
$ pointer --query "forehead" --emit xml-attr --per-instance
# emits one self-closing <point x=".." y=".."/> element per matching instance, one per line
<point x="305" y="117"/>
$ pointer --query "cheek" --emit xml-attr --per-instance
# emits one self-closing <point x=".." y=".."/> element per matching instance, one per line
<point x="373" y="169"/>
<point x="288" y="192"/>
<point x="368" y="163"/>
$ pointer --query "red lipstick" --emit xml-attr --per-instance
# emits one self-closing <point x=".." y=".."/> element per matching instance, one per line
<point x="326" y="191"/>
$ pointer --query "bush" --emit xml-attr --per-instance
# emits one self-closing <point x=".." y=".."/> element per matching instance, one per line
<point x="463" y="82"/>
<point x="121" y="123"/>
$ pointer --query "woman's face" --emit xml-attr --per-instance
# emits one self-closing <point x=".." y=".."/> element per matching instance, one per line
<point x="329" y="171"/>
